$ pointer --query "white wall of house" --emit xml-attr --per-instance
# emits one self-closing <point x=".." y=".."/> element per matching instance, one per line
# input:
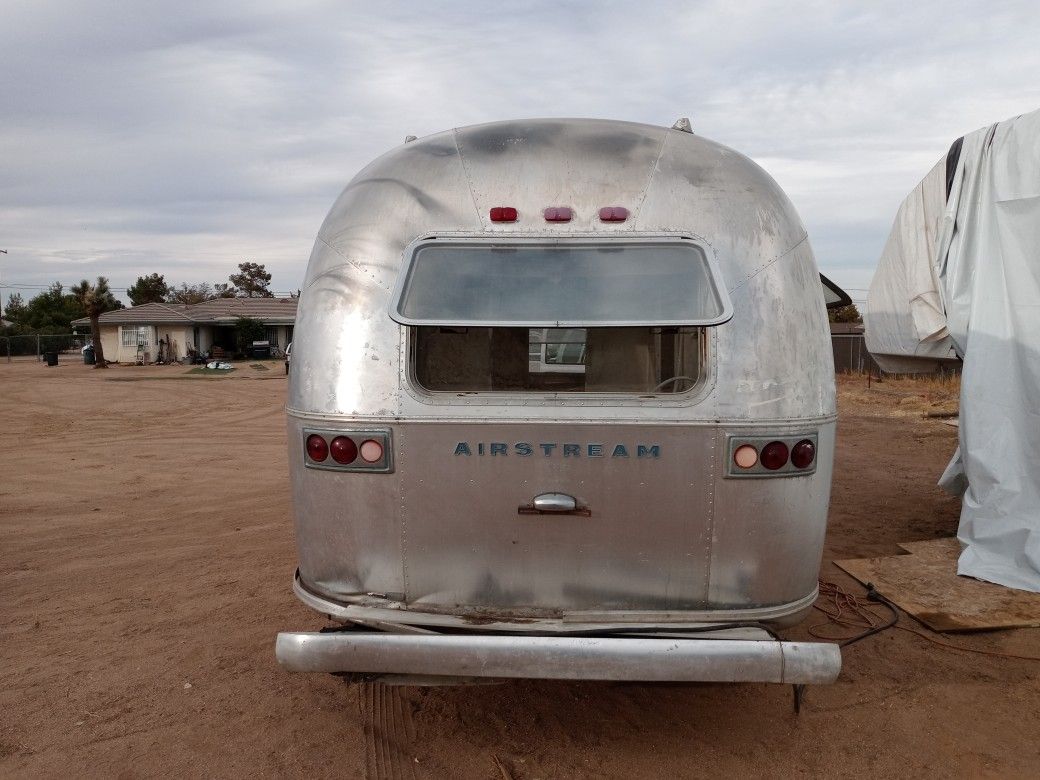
<point x="109" y="342"/>
<point x="179" y="337"/>
<point x="120" y="341"/>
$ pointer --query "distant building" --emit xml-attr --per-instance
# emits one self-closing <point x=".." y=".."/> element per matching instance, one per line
<point x="196" y="327"/>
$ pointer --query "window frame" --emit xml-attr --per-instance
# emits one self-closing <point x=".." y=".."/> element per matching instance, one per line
<point x="143" y="333"/>
<point x="705" y="382"/>
<point x="507" y="240"/>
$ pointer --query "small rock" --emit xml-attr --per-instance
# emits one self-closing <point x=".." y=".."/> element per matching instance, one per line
<point x="187" y="686"/>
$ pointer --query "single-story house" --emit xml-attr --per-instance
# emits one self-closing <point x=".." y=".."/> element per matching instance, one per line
<point x="128" y="335"/>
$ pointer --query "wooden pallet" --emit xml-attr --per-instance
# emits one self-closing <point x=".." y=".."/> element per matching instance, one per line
<point x="925" y="584"/>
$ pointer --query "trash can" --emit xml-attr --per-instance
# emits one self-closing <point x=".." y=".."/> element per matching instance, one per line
<point x="88" y="355"/>
<point x="51" y="358"/>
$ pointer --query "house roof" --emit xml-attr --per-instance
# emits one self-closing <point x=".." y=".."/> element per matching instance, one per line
<point x="145" y="314"/>
<point x="279" y="311"/>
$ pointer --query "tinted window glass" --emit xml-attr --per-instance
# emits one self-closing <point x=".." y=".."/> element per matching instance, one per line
<point x="459" y="283"/>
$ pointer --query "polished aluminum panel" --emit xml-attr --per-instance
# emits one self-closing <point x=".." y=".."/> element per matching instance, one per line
<point x="562" y="658"/>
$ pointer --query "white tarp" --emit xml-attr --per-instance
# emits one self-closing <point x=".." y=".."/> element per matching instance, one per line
<point x="985" y="263"/>
<point x="906" y="326"/>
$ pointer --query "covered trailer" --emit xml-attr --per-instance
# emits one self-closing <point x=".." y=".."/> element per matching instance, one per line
<point x="960" y="278"/>
<point x="562" y="405"/>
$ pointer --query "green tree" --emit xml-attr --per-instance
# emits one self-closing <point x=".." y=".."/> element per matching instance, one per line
<point x="96" y="299"/>
<point x="190" y="293"/>
<point x="251" y="281"/>
<point x="248" y="330"/>
<point x="52" y="311"/>
<point x="845" y="314"/>
<point x="15" y="310"/>
<point x="148" y="289"/>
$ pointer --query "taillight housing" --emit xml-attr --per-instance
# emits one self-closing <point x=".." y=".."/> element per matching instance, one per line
<point x="348" y="450"/>
<point x="777" y="455"/>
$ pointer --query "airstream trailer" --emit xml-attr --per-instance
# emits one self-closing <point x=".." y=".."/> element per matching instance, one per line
<point x="562" y="406"/>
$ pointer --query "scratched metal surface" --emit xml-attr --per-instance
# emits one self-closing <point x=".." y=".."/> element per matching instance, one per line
<point x="667" y="533"/>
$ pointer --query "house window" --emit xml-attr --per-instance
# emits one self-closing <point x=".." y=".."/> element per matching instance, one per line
<point x="132" y="336"/>
<point x="272" y="335"/>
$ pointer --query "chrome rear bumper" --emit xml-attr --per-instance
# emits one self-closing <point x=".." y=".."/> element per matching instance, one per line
<point x="647" y="659"/>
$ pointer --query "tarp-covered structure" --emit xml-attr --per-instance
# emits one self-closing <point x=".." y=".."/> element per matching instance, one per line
<point x="961" y="272"/>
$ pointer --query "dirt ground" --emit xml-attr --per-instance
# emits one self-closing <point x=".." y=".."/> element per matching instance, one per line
<point x="146" y="555"/>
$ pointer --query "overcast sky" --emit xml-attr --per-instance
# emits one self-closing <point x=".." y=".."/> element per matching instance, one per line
<point x="186" y="137"/>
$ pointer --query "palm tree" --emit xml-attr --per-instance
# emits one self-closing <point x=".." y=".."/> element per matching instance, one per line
<point x="96" y="299"/>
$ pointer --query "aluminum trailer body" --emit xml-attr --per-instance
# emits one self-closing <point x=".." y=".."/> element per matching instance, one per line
<point x="465" y="510"/>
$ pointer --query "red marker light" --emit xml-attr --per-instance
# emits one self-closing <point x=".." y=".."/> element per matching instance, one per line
<point x="343" y="450"/>
<point x="503" y="214"/>
<point x="774" y="455"/>
<point x="613" y="214"/>
<point x="803" y="454"/>
<point x="317" y="448"/>
<point x="558" y="214"/>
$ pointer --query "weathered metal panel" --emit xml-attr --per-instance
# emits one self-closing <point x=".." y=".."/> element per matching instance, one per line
<point x="644" y="545"/>
<point x="442" y="532"/>
<point x="767" y="538"/>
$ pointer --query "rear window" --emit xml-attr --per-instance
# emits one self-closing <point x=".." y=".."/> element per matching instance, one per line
<point x="607" y="316"/>
<point x="565" y="283"/>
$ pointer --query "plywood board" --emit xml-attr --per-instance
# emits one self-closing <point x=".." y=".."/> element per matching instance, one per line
<point x="925" y="584"/>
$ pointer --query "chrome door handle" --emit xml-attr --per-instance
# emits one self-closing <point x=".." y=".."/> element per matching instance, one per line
<point x="554" y="504"/>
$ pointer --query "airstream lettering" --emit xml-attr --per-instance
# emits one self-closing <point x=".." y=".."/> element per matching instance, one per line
<point x="548" y="449"/>
<point x="562" y="406"/>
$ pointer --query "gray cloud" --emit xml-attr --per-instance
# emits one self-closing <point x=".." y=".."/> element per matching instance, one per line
<point x="183" y="139"/>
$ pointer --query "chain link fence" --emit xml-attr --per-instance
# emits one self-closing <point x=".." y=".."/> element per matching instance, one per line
<point x="851" y="355"/>
<point x="65" y="346"/>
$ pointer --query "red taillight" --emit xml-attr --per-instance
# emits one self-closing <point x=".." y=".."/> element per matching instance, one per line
<point x="613" y="214"/>
<point x="503" y="214"/>
<point x="803" y="454"/>
<point x="317" y="449"/>
<point x="343" y="450"/>
<point x="558" y="214"/>
<point x="371" y="451"/>
<point x="774" y="455"/>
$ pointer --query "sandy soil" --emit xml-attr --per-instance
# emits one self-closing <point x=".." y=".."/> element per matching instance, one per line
<point x="146" y="554"/>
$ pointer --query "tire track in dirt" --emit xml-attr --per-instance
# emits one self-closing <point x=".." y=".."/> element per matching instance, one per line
<point x="389" y="732"/>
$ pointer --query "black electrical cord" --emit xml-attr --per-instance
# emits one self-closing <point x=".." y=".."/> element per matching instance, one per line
<point x="873" y="595"/>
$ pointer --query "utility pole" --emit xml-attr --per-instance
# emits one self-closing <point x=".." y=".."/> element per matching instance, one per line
<point x="3" y="251"/>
